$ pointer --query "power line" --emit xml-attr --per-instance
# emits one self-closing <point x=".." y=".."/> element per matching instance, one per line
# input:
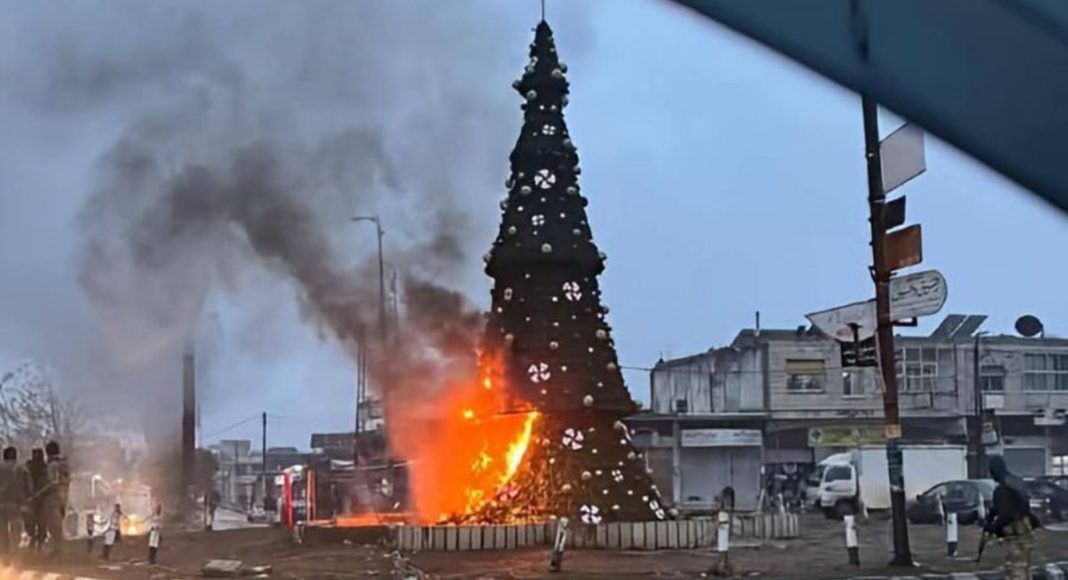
<point x="234" y="426"/>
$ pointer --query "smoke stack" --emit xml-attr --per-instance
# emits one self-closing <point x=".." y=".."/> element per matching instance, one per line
<point x="189" y="419"/>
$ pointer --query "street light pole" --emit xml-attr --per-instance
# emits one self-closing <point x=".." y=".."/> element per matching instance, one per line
<point x="381" y="273"/>
<point x="884" y="325"/>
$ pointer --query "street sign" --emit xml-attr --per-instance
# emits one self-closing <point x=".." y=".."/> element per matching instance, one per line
<point x="903" y="248"/>
<point x="902" y="156"/>
<point x="894" y="213"/>
<point x="915" y="295"/>
<point x="837" y="323"/>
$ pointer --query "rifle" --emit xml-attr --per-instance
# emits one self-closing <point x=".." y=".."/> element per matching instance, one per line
<point x="982" y="545"/>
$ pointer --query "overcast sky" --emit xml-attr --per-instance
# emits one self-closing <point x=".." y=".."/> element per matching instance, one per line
<point x="722" y="178"/>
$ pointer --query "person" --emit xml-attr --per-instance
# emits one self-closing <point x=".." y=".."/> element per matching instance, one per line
<point x="1011" y="520"/>
<point x="154" y="523"/>
<point x="113" y="533"/>
<point x="13" y="494"/>
<point x="31" y="519"/>
<point x="54" y="496"/>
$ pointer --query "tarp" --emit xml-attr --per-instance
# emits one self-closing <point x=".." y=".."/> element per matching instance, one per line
<point x="988" y="76"/>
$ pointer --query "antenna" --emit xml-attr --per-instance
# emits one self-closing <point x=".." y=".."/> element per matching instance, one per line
<point x="543" y="9"/>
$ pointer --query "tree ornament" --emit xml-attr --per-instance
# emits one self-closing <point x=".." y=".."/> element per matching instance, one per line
<point x="587" y="401"/>
<point x="504" y="204"/>
<point x="572" y="291"/>
<point x="532" y="94"/>
<point x="573" y="439"/>
<point x="487" y="257"/>
<point x="544" y="179"/>
<point x="553" y="345"/>
<point x="546" y="248"/>
<point x="512" y="230"/>
<point x="525" y="190"/>
<point x="537" y="220"/>
<point x="529" y="69"/>
<point x="590" y="514"/>
<point x="507" y="294"/>
<point x="576" y="232"/>
<point x="600" y="334"/>
<point x="509" y="338"/>
<point x="557" y="73"/>
<point x="515" y="83"/>
<point x="572" y="190"/>
<point x="566" y="487"/>
<point x="632" y="456"/>
<point x="539" y="372"/>
<point x="586" y="476"/>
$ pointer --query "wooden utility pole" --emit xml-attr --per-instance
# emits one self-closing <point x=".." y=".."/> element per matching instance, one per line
<point x="885" y="333"/>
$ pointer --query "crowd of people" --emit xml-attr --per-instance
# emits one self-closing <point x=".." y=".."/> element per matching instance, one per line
<point x="33" y="498"/>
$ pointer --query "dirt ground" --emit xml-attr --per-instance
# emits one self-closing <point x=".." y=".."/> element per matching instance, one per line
<point x="819" y="554"/>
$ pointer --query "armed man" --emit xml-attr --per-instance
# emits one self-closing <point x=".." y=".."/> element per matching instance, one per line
<point x="53" y="497"/>
<point x="1011" y="520"/>
<point x="14" y="491"/>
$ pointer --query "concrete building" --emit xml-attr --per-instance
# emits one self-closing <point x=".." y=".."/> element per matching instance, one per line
<point x="239" y="478"/>
<point x="777" y="401"/>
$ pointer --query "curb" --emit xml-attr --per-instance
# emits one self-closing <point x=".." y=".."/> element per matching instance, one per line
<point x="1051" y="571"/>
<point x="32" y="575"/>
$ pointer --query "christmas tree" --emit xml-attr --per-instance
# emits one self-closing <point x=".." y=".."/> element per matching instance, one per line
<point x="546" y="334"/>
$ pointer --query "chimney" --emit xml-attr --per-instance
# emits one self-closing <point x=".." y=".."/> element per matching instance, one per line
<point x="189" y="419"/>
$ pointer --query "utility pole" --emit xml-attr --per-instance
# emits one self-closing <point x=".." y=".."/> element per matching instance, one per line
<point x="885" y="333"/>
<point x="978" y="449"/>
<point x="264" y="467"/>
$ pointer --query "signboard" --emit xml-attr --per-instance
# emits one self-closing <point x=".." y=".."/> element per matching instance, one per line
<point x="844" y="436"/>
<point x="915" y="295"/>
<point x="837" y="322"/>
<point x="902" y="156"/>
<point x="721" y="438"/>
<point x="903" y="248"/>
<point x="1050" y="418"/>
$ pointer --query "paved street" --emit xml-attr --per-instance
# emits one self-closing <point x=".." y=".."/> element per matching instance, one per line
<point x="226" y="519"/>
<point x="819" y="554"/>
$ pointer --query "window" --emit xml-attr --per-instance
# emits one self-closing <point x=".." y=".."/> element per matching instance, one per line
<point x="1045" y="372"/>
<point x="992" y="379"/>
<point x="855" y="383"/>
<point x="917" y="368"/>
<point x="839" y="473"/>
<point x="1060" y="465"/>
<point x="805" y="375"/>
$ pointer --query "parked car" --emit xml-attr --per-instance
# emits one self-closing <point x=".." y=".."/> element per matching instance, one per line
<point x="1049" y="501"/>
<point x="961" y="497"/>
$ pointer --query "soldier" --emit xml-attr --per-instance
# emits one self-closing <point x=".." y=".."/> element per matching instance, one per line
<point x="54" y="496"/>
<point x="14" y="482"/>
<point x="154" y="524"/>
<point x="31" y="518"/>
<point x="1011" y="520"/>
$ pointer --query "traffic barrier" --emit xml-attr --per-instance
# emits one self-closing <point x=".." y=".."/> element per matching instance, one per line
<point x="851" y="539"/>
<point x="951" y="534"/>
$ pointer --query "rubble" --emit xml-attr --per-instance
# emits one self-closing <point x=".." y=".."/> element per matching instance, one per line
<point x="222" y="568"/>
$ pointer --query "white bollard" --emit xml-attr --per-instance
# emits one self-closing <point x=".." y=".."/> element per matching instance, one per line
<point x="851" y="540"/>
<point x="556" y="558"/>
<point x="982" y="510"/>
<point x="951" y="534"/>
<point x="723" y="534"/>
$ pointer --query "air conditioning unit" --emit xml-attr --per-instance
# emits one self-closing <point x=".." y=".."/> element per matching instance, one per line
<point x="682" y="406"/>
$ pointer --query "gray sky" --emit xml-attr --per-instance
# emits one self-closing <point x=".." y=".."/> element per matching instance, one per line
<point x="723" y="179"/>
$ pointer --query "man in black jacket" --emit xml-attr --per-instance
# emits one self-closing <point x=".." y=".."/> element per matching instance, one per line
<point x="1011" y="520"/>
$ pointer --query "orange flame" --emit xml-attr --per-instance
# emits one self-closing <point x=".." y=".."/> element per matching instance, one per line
<point x="468" y="450"/>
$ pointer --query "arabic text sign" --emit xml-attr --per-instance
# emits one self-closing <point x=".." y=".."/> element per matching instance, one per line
<point x="919" y="294"/>
<point x="902" y="156"/>
<point x="721" y="438"/>
<point x="837" y="322"/>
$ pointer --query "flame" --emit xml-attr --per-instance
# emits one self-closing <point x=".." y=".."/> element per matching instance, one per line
<point x="468" y="450"/>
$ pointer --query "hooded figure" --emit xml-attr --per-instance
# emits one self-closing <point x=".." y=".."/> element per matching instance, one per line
<point x="1011" y="519"/>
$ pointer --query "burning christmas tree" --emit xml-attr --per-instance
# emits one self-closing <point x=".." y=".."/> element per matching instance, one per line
<point x="546" y="338"/>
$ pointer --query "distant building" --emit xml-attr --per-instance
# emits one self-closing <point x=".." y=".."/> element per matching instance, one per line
<point x="239" y="478"/>
<point x="777" y="401"/>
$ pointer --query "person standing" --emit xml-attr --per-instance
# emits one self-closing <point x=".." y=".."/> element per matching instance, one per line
<point x="31" y="518"/>
<point x="113" y="533"/>
<point x="1011" y="520"/>
<point x="54" y="496"/>
<point x="13" y="495"/>
<point x="154" y="523"/>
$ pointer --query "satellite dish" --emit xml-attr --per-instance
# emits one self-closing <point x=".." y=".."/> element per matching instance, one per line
<point x="1028" y="326"/>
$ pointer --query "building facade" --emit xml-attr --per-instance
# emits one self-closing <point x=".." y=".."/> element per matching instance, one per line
<point x="775" y="402"/>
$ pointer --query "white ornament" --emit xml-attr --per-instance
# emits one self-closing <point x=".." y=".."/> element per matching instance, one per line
<point x="557" y="73"/>
<point x="573" y="439"/>
<point x="553" y="345"/>
<point x="512" y="230"/>
<point x="587" y="401"/>
<point x="486" y="258"/>
<point x="617" y="475"/>
<point x="610" y="366"/>
<point x="547" y="129"/>
<point x="601" y="334"/>
<point x="586" y="476"/>
<point x="546" y="248"/>
<point x="525" y="190"/>
<point x="632" y="456"/>
<point x="576" y="232"/>
<point x="572" y="291"/>
<point x="566" y="487"/>
<point x="544" y="178"/>
<point x="509" y="338"/>
<point x="504" y="204"/>
<point x="532" y="94"/>
<point x="537" y="220"/>
<point x="572" y="190"/>
<point x="529" y="69"/>
<point x="615" y="507"/>
<point x="539" y="372"/>
<point x="507" y="294"/>
<point x="591" y="514"/>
